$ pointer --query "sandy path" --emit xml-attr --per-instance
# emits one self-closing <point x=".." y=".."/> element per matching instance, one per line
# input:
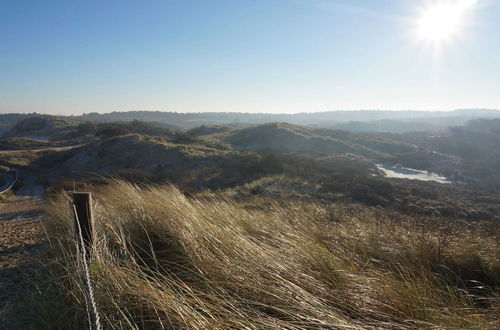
<point x="41" y="149"/>
<point x="21" y="237"/>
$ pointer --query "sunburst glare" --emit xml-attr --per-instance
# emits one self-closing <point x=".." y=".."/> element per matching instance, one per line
<point x="443" y="20"/>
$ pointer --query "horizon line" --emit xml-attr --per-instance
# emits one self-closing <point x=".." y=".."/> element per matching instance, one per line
<point x="249" y="113"/>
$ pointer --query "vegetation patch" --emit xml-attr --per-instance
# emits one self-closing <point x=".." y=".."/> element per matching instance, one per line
<point x="165" y="260"/>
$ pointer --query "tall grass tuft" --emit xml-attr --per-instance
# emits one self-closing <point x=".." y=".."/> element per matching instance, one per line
<point x="163" y="260"/>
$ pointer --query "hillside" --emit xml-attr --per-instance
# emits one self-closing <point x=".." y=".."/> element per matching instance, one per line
<point x="282" y="137"/>
<point x="21" y="143"/>
<point x="475" y="145"/>
<point x="466" y="154"/>
<point x="196" y="166"/>
<point x="147" y="153"/>
<point x="398" y="126"/>
<point x="139" y="156"/>
<point x="43" y="126"/>
<point x="331" y="165"/>
<point x="8" y="120"/>
<point x="320" y="142"/>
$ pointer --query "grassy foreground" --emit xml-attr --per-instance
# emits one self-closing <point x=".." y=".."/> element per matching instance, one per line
<point x="165" y="260"/>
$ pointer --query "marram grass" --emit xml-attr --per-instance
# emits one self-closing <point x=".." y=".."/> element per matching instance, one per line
<point x="163" y="260"/>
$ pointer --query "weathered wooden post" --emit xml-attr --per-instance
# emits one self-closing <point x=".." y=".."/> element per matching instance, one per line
<point x="83" y="207"/>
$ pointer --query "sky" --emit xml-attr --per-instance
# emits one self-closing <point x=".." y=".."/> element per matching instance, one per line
<point x="278" y="56"/>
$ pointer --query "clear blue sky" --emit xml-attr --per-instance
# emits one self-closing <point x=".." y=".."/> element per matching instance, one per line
<point x="241" y="55"/>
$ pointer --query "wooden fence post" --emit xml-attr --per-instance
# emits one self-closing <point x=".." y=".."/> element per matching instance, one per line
<point x="83" y="206"/>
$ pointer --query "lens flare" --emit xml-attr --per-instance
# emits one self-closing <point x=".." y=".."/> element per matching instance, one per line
<point x="443" y="20"/>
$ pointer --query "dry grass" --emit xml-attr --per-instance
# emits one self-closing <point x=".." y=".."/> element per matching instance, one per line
<point x="19" y="158"/>
<point x="163" y="260"/>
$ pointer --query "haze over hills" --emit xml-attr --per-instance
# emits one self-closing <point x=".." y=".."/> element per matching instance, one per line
<point x="363" y="120"/>
<point x="325" y="119"/>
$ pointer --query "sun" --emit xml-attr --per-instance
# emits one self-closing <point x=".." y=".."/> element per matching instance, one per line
<point x="442" y="20"/>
